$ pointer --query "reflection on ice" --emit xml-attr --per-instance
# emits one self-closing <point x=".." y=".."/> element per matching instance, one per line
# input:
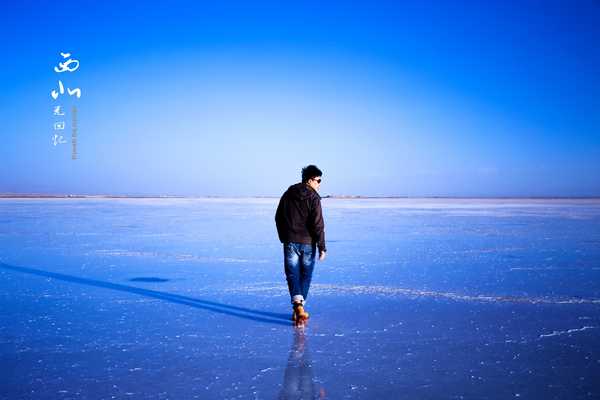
<point x="298" y="380"/>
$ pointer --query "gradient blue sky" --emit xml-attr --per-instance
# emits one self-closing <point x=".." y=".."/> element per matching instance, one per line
<point x="233" y="98"/>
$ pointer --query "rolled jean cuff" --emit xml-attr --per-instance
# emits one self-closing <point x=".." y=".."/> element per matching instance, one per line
<point x="298" y="299"/>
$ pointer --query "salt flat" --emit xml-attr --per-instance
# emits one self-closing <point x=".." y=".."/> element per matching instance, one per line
<point x="186" y="298"/>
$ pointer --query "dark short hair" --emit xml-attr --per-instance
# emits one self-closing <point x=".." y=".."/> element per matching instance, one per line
<point x="310" y="171"/>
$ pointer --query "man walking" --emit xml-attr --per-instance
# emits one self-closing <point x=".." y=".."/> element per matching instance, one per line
<point x="301" y="229"/>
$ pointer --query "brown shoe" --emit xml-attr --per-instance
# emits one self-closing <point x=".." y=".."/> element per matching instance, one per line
<point x="299" y="313"/>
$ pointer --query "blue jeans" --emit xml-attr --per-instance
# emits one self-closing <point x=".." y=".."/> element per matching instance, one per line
<point x="299" y="262"/>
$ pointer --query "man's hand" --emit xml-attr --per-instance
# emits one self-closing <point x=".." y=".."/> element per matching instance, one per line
<point x="321" y="255"/>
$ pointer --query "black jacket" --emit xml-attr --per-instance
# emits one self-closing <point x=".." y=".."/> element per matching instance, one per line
<point x="299" y="217"/>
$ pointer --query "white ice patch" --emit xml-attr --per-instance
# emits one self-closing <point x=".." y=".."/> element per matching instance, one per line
<point x="179" y="257"/>
<point x="271" y="288"/>
<point x="558" y="333"/>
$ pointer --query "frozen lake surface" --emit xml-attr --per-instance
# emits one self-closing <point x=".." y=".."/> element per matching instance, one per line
<point x="186" y="298"/>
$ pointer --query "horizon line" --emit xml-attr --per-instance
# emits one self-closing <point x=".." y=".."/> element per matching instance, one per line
<point x="126" y="196"/>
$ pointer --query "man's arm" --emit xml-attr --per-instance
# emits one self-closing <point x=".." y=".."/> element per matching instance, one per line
<point x="279" y="219"/>
<point x="318" y="226"/>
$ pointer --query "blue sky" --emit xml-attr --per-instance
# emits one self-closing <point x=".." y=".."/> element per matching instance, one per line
<point x="233" y="98"/>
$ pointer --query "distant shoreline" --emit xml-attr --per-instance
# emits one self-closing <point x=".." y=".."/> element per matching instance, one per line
<point x="346" y="197"/>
